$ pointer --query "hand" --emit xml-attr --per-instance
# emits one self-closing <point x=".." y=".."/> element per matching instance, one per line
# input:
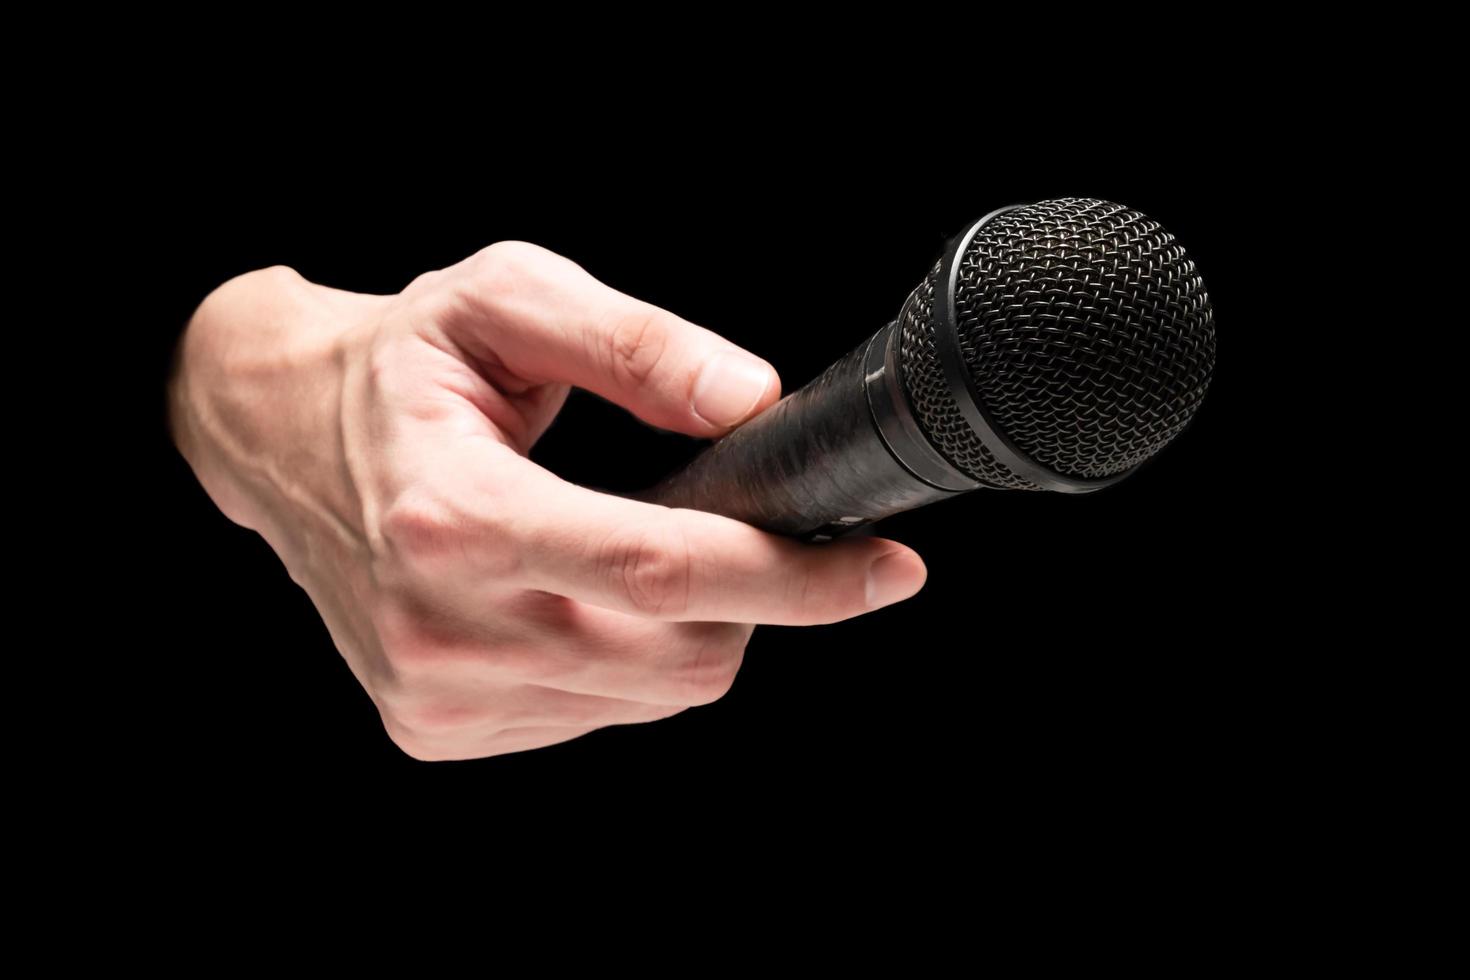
<point x="379" y="444"/>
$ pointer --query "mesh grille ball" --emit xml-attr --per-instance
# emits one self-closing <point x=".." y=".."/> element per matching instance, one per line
<point x="1087" y="331"/>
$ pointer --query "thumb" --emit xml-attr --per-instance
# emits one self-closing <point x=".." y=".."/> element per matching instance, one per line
<point x="545" y="318"/>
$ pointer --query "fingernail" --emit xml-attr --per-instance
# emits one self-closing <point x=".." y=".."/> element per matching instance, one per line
<point x="728" y="388"/>
<point x="892" y="577"/>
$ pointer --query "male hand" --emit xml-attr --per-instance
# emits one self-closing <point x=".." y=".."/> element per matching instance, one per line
<point x="379" y="444"/>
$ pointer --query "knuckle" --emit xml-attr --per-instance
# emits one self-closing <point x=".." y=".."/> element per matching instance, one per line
<point x="706" y="685"/>
<point x="637" y="344"/>
<point x="418" y="524"/>
<point x="501" y="267"/>
<point x="426" y="282"/>
<point x="422" y="649"/>
<point x="410" y="651"/>
<point x="426" y="529"/>
<point x="410" y="744"/>
<point x="391" y="362"/>
<point x="421" y="643"/>
<point x="510" y="251"/>
<point x="431" y="718"/>
<point x="711" y="670"/>
<point x="652" y="569"/>
<point x="280" y="274"/>
<point x="271" y="277"/>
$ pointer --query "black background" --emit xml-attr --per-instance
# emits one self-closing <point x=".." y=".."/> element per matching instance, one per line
<point x="1074" y="664"/>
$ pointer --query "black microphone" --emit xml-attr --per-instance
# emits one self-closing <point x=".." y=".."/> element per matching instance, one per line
<point x="1052" y="346"/>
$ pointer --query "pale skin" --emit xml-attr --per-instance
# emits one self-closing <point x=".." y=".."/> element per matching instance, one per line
<point x="379" y="444"/>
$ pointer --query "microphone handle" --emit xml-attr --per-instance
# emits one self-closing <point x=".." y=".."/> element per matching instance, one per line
<point x="822" y="460"/>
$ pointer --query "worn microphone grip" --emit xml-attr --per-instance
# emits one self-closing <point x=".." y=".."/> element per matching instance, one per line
<point x="812" y="466"/>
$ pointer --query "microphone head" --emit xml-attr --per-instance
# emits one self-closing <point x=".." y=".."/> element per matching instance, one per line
<point x="1057" y="345"/>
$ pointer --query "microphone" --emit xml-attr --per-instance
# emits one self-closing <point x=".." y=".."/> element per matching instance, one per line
<point x="1053" y="346"/>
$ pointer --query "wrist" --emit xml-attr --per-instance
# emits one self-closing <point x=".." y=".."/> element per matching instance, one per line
<point x="254" y="399"/>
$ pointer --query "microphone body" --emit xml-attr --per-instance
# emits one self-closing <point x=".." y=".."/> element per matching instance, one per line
<point x="823" y="460"/>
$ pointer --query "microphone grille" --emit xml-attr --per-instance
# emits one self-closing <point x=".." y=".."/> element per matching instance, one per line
<point x="1086" y="330"/>
<point x="933" y="401"/>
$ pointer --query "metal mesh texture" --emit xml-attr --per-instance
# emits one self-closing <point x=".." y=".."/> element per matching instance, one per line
<point x="1087" y="331"/>
<point x="922" y="376"/>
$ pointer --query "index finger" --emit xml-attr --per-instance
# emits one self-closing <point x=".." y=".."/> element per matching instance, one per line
<point x="676" y="563"/>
